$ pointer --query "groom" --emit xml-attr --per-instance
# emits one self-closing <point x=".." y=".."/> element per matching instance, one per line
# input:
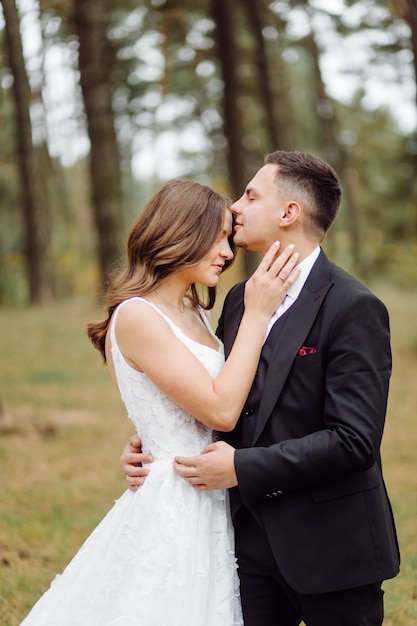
<point x="315" y="535"/>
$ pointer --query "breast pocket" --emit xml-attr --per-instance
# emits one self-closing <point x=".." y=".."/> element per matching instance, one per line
<point x="303" y="360"/>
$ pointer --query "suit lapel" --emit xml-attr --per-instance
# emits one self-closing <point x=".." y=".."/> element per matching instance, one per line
<point x="231" y="318"/>
<point x="301" y="318"/>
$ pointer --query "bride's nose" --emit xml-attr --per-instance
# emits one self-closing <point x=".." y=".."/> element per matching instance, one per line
<point x="226" y="252"/>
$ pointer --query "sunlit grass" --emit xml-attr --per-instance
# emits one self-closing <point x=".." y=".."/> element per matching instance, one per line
<point x="63" y="428"/>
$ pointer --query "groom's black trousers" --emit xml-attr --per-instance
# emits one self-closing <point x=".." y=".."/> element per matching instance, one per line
<point x="268" y="600"/>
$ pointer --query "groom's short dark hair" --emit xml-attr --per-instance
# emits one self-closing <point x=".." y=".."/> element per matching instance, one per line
<point x="316" y="179"/>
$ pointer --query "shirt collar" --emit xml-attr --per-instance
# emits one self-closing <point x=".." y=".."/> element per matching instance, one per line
<point x="306" y="265"/>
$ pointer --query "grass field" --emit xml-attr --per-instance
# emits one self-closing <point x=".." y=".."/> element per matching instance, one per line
<point x="62" y="428"/>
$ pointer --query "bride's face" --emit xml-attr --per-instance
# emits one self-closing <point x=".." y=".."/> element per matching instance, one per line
<point x="207" y="271"/>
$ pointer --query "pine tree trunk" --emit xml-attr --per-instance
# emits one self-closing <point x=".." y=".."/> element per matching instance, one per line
<point x="34" y="195"/>
<point x="95" y="63"/>
<point x="408" y="11"/>
<point x="221" y="13"/>
<point x="226" y="51"/>
<point x="332" y="150"/>
<point x="255" y="11"/>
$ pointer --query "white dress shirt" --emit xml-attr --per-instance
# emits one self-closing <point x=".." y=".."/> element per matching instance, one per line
<point x="306" y="265"/>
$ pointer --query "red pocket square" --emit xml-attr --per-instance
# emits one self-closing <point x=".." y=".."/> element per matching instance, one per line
<point x="304" y="350"/>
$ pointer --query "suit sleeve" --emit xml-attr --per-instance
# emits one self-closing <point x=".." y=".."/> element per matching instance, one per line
<point x="356" y="371"/>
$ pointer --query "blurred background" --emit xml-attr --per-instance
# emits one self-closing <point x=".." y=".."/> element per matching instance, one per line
<point x="100" y="103"/>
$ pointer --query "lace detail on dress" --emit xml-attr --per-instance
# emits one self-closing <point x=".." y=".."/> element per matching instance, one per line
<point x="165" y="428"/>
<point x="163" y="555"/>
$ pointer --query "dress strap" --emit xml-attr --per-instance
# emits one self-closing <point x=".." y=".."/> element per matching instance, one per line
<point x="176" y="329"/>
<point x="119" y="306"/>
<point x="204" y="318"/>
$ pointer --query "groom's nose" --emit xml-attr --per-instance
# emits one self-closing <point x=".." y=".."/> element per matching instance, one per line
<point x="236" y="207"/>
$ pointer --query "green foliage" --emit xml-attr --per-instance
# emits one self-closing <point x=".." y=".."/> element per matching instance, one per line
<point x="168" y="94"/>
<point x="382" y="173"/>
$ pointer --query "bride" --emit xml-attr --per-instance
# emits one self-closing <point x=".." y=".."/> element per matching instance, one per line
<point x="164" y="555"/>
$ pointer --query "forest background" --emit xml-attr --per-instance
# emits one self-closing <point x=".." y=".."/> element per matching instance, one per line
<point x="100" y="102"/>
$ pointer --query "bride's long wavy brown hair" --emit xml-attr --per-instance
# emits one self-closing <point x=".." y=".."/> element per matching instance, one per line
<point x="175" y="230"/>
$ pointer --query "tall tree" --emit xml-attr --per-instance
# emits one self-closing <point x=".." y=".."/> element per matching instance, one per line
<point x="329" y="142"/>
<point x="408" y="11"/>
<point x="276" y="135"/>
<point x="34" y="194"/>
<point x="95" y="63"/>
<point x="222" y="14"/>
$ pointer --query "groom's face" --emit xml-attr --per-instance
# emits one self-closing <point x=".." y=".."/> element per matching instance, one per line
<point x="258" y="211"/>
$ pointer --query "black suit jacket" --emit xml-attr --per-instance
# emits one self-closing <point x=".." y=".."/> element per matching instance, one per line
<point x="312" y="476"/>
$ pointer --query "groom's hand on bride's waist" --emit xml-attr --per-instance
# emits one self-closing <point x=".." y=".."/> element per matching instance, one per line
<point x="132" y="460"/>
<point x="214" y="468"/>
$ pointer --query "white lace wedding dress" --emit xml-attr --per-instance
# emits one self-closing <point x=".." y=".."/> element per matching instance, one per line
<point x="162" y="556"/>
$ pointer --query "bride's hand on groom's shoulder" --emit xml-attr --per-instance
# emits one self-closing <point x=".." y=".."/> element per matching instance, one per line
<point x="131" y="462"/>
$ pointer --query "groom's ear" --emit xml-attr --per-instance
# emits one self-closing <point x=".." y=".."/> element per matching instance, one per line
<point x="290" y="214"/>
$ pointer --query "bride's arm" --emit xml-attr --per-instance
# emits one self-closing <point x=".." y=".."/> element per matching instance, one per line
<point x="147" y="341"/>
